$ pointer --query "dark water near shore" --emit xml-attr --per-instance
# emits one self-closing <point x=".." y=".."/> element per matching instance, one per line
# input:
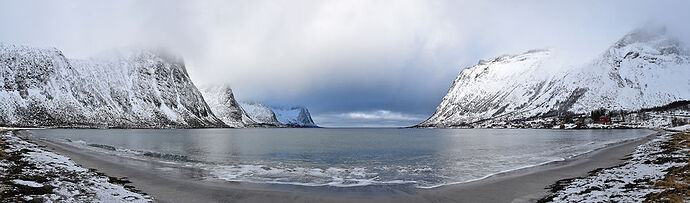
<point x="347" y="157"/>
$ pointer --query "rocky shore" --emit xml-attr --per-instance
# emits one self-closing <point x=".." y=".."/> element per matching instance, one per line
<point x="31" y="173"/>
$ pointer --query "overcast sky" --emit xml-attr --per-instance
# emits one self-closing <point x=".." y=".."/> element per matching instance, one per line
<point x="352" y="63"/>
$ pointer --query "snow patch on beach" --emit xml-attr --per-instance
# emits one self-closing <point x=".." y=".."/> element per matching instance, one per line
<point x="27" y="183"/>
<point x="62" y="179"/>
<point x="681" y="128"/>
<point x="626" y="183"/>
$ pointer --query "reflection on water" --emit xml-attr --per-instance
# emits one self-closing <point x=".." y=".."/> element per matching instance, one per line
<point x="348" y="157"/>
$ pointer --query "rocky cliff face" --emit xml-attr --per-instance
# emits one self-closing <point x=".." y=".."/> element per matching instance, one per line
<point x="646" y="68"/>
<point x="223" y="104"/>
<point x="130" y="89"/>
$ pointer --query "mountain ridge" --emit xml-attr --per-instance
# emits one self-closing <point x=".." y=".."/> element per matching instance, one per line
<point x="42" y="88"/>
<point x="643" y="69"/>
<point x="281" y="116"/>
<point x="223" y="104"/>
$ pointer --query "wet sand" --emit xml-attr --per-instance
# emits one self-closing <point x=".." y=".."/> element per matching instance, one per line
<point x="175" y="184"/>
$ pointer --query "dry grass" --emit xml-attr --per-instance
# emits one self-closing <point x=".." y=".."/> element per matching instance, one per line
<point x="676" y="183"/>
<point x="3" y="155"/>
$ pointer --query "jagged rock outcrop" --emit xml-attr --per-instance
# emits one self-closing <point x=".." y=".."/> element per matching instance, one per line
<point x="128" y="89"/>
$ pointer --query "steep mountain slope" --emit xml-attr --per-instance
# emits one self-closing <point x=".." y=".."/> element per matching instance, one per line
<point x="646" y="68"/>
<point x="223" y="104"/>
<point x="295" y="116"/>
<point x="132" y="89"/>
<point x="260" y="113"/>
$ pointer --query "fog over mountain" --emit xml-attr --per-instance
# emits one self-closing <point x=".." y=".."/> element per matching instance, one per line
<point x="351" y="63"/>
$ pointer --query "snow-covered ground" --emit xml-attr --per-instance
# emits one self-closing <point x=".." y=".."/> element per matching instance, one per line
<point x="681" y="128"/>
<point x="629" y="182"/>
<point x="30" y="173"/>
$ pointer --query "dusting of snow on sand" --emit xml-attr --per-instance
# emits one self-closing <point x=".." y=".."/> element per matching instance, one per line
<point x="685" y="128"/>
<point x="27" y="183"/>
<point x="38" y="175"/>
<point x="629" y="182"/>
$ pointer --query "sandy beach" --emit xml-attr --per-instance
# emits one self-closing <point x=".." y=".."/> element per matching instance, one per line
<point x="188" y="185"/>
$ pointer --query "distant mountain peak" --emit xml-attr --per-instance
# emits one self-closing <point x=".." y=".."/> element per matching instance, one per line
<point x="645" y="34"/>
<point x="260" y="113"/>
<point x="296" y="116"/>
<point x="521" y="56"/>
<point x="223" y="104"/>
<point x="279" y="115"/>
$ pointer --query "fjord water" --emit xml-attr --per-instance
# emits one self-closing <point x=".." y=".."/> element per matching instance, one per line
<point x="347" y="157"/>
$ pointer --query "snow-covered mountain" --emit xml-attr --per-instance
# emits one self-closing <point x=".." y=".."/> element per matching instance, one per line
<point x="223" y="104"/>
<point x="295" y="116"/>
<point x="260" y="113"/>
<point x="644" y="69"/>
<point x="127" y="89"/>
<point x="292" y="116"/>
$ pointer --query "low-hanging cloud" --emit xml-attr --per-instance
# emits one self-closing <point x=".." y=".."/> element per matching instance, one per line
<point x="335" y="57"/>
<point x="378" y="118"/>
<point x="381" y="115"/>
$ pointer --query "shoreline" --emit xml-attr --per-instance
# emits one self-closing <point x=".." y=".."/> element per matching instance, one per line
<point x="31" y="173"/>
<point x="531" y="184"/>
<point x="543" y="164"/>
<point x="523" y="184"/>
<point x="655" y="172"/>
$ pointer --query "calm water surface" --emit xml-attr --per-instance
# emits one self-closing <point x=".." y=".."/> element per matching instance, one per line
<point x="347" y="157"/>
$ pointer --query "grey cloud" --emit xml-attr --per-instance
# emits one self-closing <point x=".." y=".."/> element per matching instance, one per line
<point x="334" y="56"/>
<point x="378" y="118"/>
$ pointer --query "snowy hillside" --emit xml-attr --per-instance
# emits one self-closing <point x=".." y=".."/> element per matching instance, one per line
<point x="130" y="89"/>
<point x="223" y="104"/>
<point x="646" y="68"/>
<point x="260" y="113"/>
<point x="295" y="116"/>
